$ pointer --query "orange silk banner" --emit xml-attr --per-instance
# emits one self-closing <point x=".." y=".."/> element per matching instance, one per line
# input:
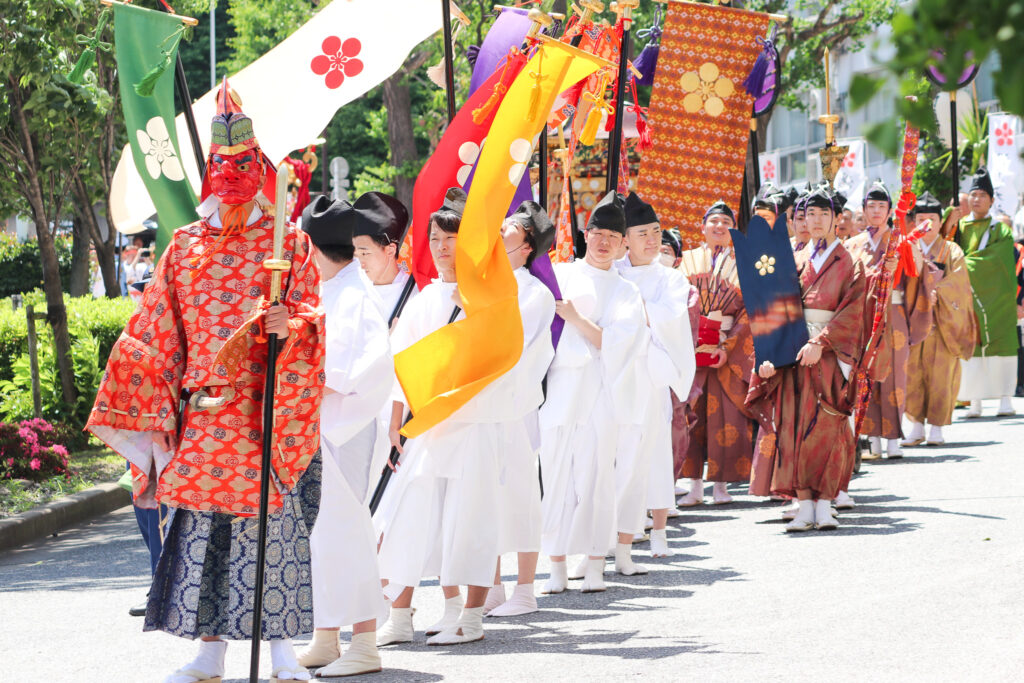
<point x="447" y="368"/>
<point x="700" y="113"/>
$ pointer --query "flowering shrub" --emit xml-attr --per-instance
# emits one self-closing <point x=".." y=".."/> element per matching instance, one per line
<point x="33" y="449"/>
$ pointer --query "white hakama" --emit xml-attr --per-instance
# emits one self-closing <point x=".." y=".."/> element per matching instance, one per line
<point x="437" y="517"/>
<point x="644" y="469"/>
<point x="519" y="502"/>
<point x="357" y="367"/>
<point x="592" y="393"/>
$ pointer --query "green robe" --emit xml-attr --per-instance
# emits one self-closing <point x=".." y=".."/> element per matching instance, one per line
<point x="994" y="281"/>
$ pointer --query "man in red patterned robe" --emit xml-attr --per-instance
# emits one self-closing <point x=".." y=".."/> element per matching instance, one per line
<point x="197" y="339"/>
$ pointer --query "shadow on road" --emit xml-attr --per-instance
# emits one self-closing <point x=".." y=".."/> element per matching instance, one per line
<point x="75" y="564"/>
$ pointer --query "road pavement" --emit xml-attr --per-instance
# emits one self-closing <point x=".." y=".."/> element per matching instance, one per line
<point x="924" y="580"/>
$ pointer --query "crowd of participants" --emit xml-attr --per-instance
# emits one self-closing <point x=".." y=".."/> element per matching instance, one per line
<point x="575" y="452"/>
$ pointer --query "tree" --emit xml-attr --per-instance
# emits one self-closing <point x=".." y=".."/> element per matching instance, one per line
<point x="44" y="118"/>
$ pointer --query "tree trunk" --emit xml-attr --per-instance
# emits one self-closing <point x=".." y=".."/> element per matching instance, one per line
<point x="56" y="314"/>
<point x="104" y="244"/>
<point x="400" y="133"/>
<point x="81" y="268"/>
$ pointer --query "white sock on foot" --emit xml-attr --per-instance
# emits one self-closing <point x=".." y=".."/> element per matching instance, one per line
<point x="580" y="570"/>
<point x="283" y="663"/>
<point x="209" y="663"/>
<point x="521" y="602"/>
<point x="916" y="430"/>
<point x="495" y="597"/>
<point x="593" y="582"/>
<point x="659" y="543"/>
<point x="452" y="609"/>
<point x="468" y="629"/>
<point x="558" y="581"/>
<point x="361" y="657"/>
<point x="935" y="435"/>
<point x="322" y="650"/>
<point x="398" y="628"/>
<point x="720" y="494"/>
<point x="624" y="561"/>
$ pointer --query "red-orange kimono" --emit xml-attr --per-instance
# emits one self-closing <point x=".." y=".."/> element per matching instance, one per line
<point x="907" y="322"/>
<point x="196" y="329"/>
<point x="806" y="409"/>
<point x="723" y="432"/>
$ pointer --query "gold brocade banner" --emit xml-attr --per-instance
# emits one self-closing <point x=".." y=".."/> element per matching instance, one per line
<point x="699" y="113"/>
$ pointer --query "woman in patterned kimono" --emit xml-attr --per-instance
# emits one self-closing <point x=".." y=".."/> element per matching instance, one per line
<point x="804" y="409"/>
<point x="907" y="322"/>
<point x="198" y="335"/>
<point x="722" y="434"/>
<point x="933" y="374"/>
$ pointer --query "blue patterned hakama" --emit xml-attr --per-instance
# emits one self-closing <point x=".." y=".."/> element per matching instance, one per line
<point x="204" y="582"/>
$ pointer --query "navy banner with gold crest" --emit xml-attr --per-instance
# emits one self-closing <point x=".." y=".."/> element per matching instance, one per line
<point x="771" y="291"/>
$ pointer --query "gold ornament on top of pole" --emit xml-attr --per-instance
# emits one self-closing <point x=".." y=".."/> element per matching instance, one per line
<point x="278" y="265"/>
<point x="540" y="21"/>
<point x="831" y="154"/>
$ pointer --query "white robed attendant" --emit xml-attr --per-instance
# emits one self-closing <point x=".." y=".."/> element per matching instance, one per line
<point x="593" y="391"/>
<point x="644" y="469"/>
<point x="358" y="370"/>
<point x="526" y="233"/>
<point x="437" y="517"/>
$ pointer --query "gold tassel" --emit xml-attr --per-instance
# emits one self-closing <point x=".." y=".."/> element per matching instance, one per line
<point x="589" y="133"/>
<point x="480" y="114"/>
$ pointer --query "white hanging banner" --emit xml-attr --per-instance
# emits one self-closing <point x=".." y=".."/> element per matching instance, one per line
<point x="1004" y="162"/>
<point x="769" y="165"/>
<point x="853" y="173"/>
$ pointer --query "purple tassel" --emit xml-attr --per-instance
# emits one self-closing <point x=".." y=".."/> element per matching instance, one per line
<point x="754" y="83"/>
<point x="647" y="63"/>
<point x="471" y="54"/>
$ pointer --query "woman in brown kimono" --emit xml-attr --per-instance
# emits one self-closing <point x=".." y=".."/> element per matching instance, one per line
<point x="907" y="321"/>
<point x="933" y="373"/>
<point x="804" y="408"/>
<point x="722" y="433"/>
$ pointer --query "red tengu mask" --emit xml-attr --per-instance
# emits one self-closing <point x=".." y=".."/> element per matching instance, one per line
<point x="236" y="178"/>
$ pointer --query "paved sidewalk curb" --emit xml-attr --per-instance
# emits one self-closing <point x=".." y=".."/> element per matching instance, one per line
<point x="56" y="515"/>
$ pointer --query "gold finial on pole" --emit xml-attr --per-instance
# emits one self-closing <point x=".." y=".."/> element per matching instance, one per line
<point x="540" y="20"/>
<point x="590" y="8"/>
<point x="831" y="155"/>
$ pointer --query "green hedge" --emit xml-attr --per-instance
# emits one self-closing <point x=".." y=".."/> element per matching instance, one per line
<point x="21" y="269"/>
<point x="94" y="325"/>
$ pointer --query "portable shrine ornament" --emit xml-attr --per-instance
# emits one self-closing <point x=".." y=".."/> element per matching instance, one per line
<point x="831" y="155"/>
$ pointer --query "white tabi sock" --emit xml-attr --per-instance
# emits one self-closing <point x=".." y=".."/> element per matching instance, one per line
<point x="804" y="519"/>
<point x="935" y="435"/>
<point x="580" y="570"/>
<point x="916" y="430"/>
<point x="892" y="448"/>
<point x="322" y="650"/>
<point x="468" y="629"/>
<point x="558" y="581"/>
<point x="452" y="609"/>
<point x="975" y="409"/>
<point x="283" y="663"/>
<point x="521" y="602"/>
<point x="720" y="493"/>
<point x="1006" y="406"/>
<point x="361" y="657"/>
<point x="593" y="582"/>
<point x="209" y="663"/>
<point x="624" y="561"/>
<point x="495" y="597"/>
<point x="695" y="495"/>
<point x="876" y="445"/>
<point x="398" y="628"/>
<point x="659" y="543"/>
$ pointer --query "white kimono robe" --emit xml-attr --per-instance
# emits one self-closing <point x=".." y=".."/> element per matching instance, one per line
<point x="592" y="393"/>
<point x="358" y="367"/>
<point x="388" y="294"/>
<point x="643" y="469"/>
<point x="519" y="505"/>
<point x="438" y="515"/>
